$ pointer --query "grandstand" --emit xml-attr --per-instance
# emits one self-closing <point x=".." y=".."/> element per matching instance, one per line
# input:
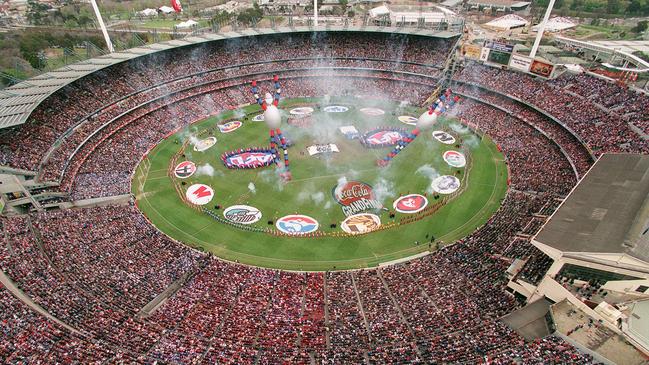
<point x="88" y="279"/>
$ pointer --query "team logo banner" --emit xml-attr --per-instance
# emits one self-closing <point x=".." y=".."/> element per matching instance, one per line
<point x="230" y="126"/>
<point x="454" y="159"/>
<point x="356" y="197"/>
<point x="322" y="148"/>
<point x="205" y="144"/>
<point x="185" y="169"/>
<point x="349" y="131"/>
<point x="373" y="112"/>
<point x="242" y="214"/>
<point x="247" y="159"/>
<point x="446" y="184"/>
<point x="305" y="110"/>
<point x="383" y="137"/>
<point x="412" y="203"/>
<point x="407" y="119"/>
<point x="258" y="118"/>
<point x="443" y="137"/>
<point x="297" y="224"/>
<point x="335" y="109"/>
<point x="361" y="223"/>
<point x="199" y="194"/>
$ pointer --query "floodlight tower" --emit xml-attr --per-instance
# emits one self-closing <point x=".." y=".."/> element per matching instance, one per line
<point x="102" y="26"/>
<point x="315" y="12"/>
<point x="541" y="30"/>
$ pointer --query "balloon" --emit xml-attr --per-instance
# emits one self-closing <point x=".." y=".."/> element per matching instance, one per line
<point x="176" y="5"/>
<point x="272" y="117"/>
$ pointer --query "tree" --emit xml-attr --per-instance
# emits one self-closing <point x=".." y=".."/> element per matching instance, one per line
<point x="613" y="6"/>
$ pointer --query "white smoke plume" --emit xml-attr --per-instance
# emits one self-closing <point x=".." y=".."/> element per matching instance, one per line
<point x="208" y="170"/>
<point x="252" y="188"/>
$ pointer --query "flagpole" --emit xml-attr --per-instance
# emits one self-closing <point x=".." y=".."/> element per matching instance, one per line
<point x="102" y="26"/>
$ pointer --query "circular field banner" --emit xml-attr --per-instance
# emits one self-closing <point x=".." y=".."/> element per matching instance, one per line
<point x="373" y="112"/>
<point x="443" y="137"/>
<point x="454" y="159"/>
<point x="409" y="204"/>
<point x="335" y="109"/>
<point x="446" y="184"/>
<point x="185" y="169"/>
<point x="361" y="223"/>
<point x="303" y="110"/>
<point x="199" y="194"/>
<point x="242" y="214"/>
<point x="230" y="126"/>
<point x="408" y="120"/>
<point x="205" y="144"/>
<point x="297" y="224"/>
<point x="258" y="118"/>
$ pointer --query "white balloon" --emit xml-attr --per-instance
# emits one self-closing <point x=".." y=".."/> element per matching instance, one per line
<point x="426" y="120"/>
<point x="272" y="117"/>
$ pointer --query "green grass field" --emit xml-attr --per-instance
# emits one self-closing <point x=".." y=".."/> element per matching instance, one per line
<point x="310" y="190"/>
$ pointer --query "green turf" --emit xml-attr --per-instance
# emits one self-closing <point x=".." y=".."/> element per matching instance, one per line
<point x="309" y="192"/>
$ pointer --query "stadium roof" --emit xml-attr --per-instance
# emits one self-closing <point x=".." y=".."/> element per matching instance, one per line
<point x="557" y="24"/>
<point x="507" y="22"/>
<point x="18" y="101"/>
<point x="500" y="4"/>
<point x="607" y="212"/>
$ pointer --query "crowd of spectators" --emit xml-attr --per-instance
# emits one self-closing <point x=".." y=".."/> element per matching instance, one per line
<point x="100" y="97"/>
<point x="95" y="269"/>
<point x="603" y="130"/>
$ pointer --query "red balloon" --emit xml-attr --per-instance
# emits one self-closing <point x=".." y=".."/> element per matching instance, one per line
<point x="176" y="5"/>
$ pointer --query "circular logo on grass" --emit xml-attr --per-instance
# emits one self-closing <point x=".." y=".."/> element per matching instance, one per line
<point x="412" y="203"/>
<point x="355" y="197"/>
<point x="407" y="119"/>
<point x="230" y="126"/>
<point x="258" y="118"/>
<point x="205" y="144"/>
<point x="443" y="137"/>
<point x="304" y="110"/>
<point x="185" y="169"/>
<point x="373" y="112"/>
<point x="445" y="184"/>
<point x="242" y="214"/>
<point x="361" y="223"/>
<point x="335" y="109"/>
<point x="454" y="159"/>
<point x="297" y="224"/>
<point x="199" y="194"/>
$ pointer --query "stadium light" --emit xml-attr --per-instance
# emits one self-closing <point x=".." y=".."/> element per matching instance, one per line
<point x="541" y="30"/>
<point x="315" y="12"/>
<point x="102" y="26"/>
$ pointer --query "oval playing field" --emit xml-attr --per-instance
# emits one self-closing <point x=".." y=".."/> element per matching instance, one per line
<point x="321" y="219"/>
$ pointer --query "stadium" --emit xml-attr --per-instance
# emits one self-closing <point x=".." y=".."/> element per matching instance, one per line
<point x="320" y="195"/>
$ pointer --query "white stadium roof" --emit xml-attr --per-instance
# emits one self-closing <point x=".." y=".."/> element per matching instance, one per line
<point x="557" y="24"/>
<point x="507" y="22"/>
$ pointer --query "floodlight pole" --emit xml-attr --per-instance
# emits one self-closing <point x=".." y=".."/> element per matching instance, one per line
<point x="541" y="30"/>
<point x="102" y="26"/>
<point x="315" y="12"/>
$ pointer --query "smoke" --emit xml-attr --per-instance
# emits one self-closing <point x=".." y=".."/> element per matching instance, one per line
<point x="272" y="177"/>
<point x="342" y="181"/>
<point x="317" y="198"/>
<point x="383" y="189"/>
<point x="208" y="170"/>
<point x="458" y="128"/>
<point x="403" y="103"/>
<point x="252" y="188"/>
<point x="472" y="142"/>
<point x="430" y="173"/>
